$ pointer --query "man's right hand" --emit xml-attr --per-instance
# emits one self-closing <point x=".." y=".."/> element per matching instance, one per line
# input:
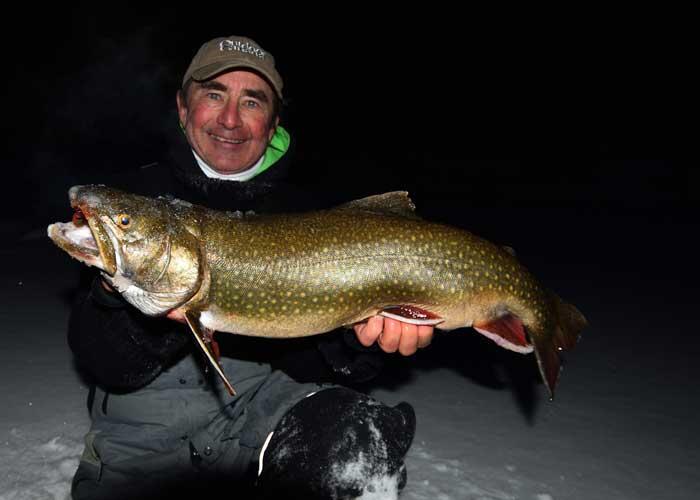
<point x="107" y="286"/>
<point x="393" y="335"/>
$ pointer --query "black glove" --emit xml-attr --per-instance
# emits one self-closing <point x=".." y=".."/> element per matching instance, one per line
<point x="120" y="347"/>
<point x="338" y="443"/>
<point x="351" y="362"/>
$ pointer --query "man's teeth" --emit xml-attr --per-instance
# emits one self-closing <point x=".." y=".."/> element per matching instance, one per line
<point x="223" y="139"/>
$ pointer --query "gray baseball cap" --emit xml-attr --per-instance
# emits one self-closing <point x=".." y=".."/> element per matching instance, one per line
<point x="225" y="53"/>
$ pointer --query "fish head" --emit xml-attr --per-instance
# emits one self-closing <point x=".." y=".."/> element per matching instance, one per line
<point x="145" y="247"/>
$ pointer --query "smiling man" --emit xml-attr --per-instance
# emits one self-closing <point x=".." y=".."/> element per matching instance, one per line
<point x="229" y="121"/>
<point x="159" y="426"/>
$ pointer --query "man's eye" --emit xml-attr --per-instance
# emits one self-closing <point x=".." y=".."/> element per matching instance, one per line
<point x="251" y="104"/>
<point x="213" y="95"/>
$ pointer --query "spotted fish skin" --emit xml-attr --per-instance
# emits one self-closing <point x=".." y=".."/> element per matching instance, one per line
<point x="297" y="275"/>
<point x="303" y="274"/>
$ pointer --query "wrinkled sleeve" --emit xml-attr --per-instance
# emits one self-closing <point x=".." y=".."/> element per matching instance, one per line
<point x="118" y="346"/>
<point x="350" y="361"/>
<point x="334" y="357"/>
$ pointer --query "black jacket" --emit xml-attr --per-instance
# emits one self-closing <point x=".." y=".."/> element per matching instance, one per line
<point x="122" y="349"/>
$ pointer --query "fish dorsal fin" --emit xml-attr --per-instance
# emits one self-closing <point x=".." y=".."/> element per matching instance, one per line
<point x="510" y="250"/>
<point x="392" y="203"/>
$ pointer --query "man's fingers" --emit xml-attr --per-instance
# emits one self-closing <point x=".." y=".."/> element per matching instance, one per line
<point x="368" y="332"/>
<point x="106" y="286"/>
<point x="393" y="335"/>
<point x="177" y="315"/>
<point x="390" y="337"/>
<point x="409" y="339"/>
<point x="425" y="336"/>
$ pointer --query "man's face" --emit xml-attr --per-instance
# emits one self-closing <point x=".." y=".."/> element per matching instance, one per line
<point x="227" y="120"/>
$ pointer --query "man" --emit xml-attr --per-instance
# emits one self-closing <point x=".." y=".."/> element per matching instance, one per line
<point x="160" y="427"/>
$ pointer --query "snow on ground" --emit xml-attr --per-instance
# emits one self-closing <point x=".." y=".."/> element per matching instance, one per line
<point x="43" y="415"/>
<point x="621" y="426"/>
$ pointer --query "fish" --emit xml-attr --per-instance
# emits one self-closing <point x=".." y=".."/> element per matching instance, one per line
<point x="301" y="274"/>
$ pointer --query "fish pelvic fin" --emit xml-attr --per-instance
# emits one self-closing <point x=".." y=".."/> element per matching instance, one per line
<point x="568" y="324"/>
<point x="204" y="339"/>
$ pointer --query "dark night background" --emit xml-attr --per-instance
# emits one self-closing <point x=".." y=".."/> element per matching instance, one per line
<point x="478" y="109"/>
<point x="568" y="141"/>
<point x="569" y="136"/>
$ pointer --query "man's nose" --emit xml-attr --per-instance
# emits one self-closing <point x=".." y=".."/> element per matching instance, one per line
<point x="230" y="115"/>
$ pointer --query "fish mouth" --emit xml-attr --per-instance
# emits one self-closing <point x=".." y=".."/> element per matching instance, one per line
<point x="84" y="237"/>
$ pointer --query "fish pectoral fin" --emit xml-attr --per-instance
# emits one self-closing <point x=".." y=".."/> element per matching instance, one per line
<point x="214" y="347"/>
<point x="411" y="314"/>
<point x="210" y="341"/>
<point x="507" y="331"/>
<point x="205" y="340"/>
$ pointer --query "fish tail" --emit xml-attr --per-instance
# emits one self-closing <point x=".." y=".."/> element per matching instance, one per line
<point x="569" y="326"/>
<point x="565" y="332"/>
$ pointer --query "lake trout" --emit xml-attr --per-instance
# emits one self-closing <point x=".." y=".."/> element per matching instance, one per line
<point x="304" y="274"/>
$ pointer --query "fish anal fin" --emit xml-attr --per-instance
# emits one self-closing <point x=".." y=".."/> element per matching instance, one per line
<point x="411" y="314"/>
<point x="392" y="203"/>
<point x="204" y="338"/>
<point x="507" y="331"/>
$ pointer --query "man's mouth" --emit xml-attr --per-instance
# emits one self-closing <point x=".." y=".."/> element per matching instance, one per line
<point x="225" y="140"/>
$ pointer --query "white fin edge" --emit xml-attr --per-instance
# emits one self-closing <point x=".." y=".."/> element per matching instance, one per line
<point x="504" y="343"/>
<point x="412" y="321"/>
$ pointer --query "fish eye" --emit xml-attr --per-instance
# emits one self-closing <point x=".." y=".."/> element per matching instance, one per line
<point x="123" y="220"/>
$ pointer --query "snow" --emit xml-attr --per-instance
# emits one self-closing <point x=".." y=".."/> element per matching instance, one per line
<point x="39" y="469"/>
<point x="380" y="486"/>
<point x="622" y="425"/>
<point x="43" y="416"/>
<point x="359" y="472"/>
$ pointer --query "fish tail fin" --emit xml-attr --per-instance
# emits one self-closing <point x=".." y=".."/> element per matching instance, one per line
<point x="565" y="333"/>
<point x="571" y="323"/>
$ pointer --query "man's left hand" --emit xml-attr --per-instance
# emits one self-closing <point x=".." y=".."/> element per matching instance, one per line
<point x="393" y="335"/>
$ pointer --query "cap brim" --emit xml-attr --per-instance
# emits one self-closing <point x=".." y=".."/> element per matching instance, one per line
<point x="211" y="70"/>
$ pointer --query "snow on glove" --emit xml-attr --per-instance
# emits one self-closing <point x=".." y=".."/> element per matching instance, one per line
<point x="338" y="444"/>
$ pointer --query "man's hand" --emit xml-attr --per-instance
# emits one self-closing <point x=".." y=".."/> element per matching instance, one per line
<point x="107" y="286"/>
<point x="178" y="315"/>
<point x="393" y="335"/>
